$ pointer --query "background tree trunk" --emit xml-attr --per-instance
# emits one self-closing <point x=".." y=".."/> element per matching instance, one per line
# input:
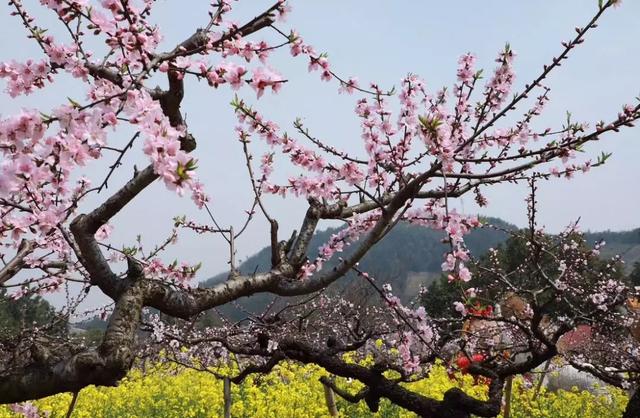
<point x="507" y="397"/>
<point x="330" y="397"/>
<point x="227" y="397"/>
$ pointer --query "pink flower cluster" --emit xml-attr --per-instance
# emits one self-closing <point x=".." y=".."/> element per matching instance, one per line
<point x="36" y="168"/>
<point x="178" y="273"/>
<point x="28" y="410"/>
<point x="419" y="336"/>
<point x="229" y="73"/>
<point x="265" y="77"/>
<point x="358" y="226"/>
<point x="324" y="184"/>
<point x="434" y="215"/>
<point x="466" y="68"/>
<point x="23" y="78"/>
<point x="162" y="146"/>
<point x="499" y="86"/>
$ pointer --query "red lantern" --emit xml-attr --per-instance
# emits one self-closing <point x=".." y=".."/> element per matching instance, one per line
<point x="463" y="362"/>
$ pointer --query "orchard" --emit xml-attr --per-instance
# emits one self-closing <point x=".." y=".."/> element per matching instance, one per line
<point x="421" y="149"/>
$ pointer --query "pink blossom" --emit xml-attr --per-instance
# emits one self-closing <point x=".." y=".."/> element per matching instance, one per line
<point x="26" y="409"/>
<point x="307" y="270"/>
<point x="265" y="77"/>
<point x="233" y="74"/>
<point x="466" y="65"/>
<point x="23" y="78"/>
<point x="104" y="232"/>
<point x="349" y="87"/>
<point x="351" y="173"/>
<point x="460" y="308"/>
<point x="464" y="274"/>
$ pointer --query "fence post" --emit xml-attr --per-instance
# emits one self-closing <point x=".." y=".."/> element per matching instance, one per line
<point x="507" y="397"/>
<point x="330" y="398"/>
<point x="227" y="397"/>
<point x="541" y="379"/>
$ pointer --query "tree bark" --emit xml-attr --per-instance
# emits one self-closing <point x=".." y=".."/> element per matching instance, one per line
<point x="633" y="407"/>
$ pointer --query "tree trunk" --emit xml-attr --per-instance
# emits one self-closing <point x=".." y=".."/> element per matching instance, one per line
<point x="329" y="396"/>
<point x="633" y="407"/>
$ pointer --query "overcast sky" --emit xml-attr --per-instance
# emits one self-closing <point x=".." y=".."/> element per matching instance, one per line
<point x="382" y="41"/>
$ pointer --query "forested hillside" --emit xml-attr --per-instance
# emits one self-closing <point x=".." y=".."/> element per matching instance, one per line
<point x="411" y="256"/>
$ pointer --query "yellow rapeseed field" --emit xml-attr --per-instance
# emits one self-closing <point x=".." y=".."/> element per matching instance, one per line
<point x="294" y="391"/>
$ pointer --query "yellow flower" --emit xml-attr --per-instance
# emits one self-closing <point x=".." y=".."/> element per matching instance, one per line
<point x="293" y="390"/>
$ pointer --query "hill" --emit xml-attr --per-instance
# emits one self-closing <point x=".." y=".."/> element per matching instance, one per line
<point x="410" y="257"/>
<point x="625" y="244"/>
<point x="407" y="258"/>
<point x="406" y="252"/>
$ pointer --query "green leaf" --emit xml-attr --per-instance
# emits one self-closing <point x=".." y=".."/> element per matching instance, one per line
<point x="130" y="251"/>
<point x="602" y="158"/>
<point x="73" y="103"/>
<point x="236" y="103"/>
<point x="179" y="220"/>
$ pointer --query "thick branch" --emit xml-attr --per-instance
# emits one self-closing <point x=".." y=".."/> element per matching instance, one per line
<point x="301" y="244"/>
<point x="185" y="303"/>
<point x="290" y="288"/>
<point x="456" y="404"/>
<point x="53" y="373"/>
<point x="17" y="262"/>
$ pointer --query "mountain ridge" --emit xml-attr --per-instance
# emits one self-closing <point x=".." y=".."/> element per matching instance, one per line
<point x="410" y="256"/>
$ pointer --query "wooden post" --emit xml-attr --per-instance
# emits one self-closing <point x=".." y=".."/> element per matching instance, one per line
<point x="73" y="404"/>
<point x="541" y="379"/>
<point x="330" y="398"/>
<point x="227" y="397"/>
<point x="507" y="398"/>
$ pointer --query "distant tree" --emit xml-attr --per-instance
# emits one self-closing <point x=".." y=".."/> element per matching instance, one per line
<point x="634" y="276"/>
<point x="24" y="313"/>
<point x="511" y="255"/>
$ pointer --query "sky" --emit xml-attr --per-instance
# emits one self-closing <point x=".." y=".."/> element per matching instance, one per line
<point x="381" y="41"/>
